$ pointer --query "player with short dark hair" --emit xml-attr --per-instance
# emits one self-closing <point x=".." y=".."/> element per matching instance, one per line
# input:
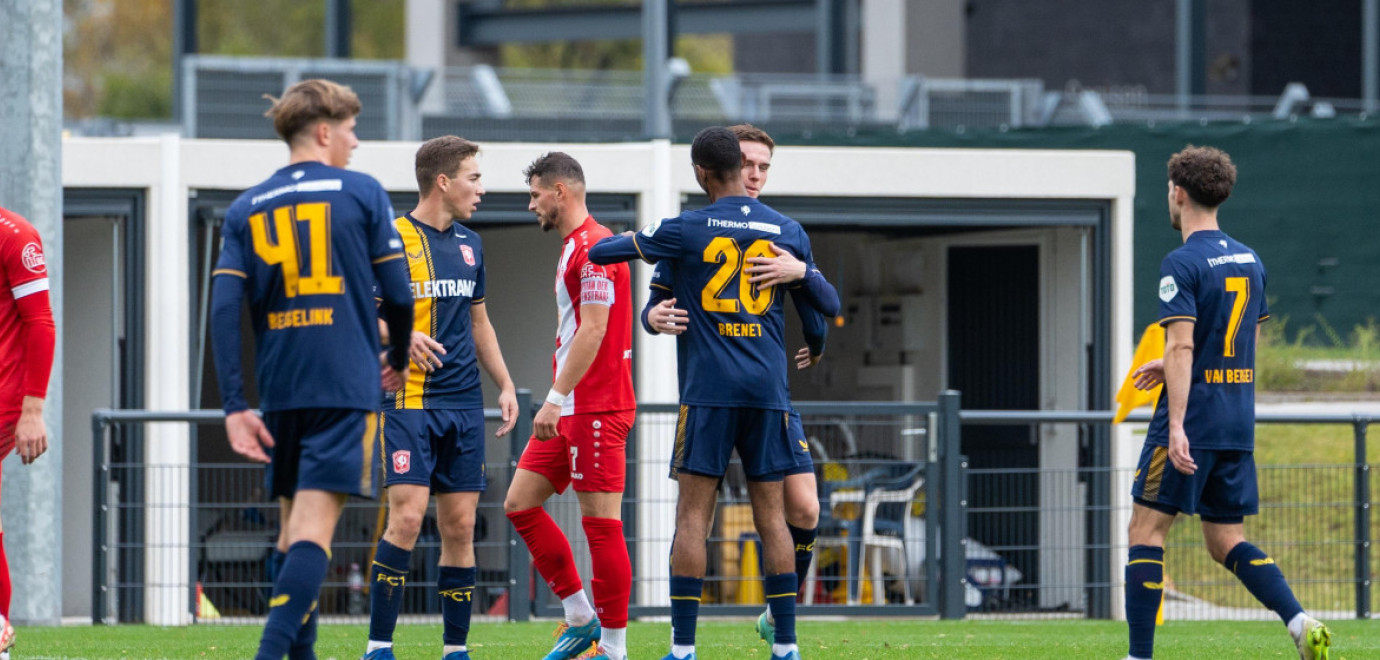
<point x="27" y="341"/>
<point x="1212" y="300"/>
<point x="580" y="434"/>
<point x="734" y="394"/>
<point x="815" y="299"/>
<point x="433" y="427"/>
<point x="307" y="248"/>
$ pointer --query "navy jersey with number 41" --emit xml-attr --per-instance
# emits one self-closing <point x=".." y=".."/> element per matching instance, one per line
<point x="734" y="347"/>
<point x="1218" y="284"/>
<point x="308" y="241"/>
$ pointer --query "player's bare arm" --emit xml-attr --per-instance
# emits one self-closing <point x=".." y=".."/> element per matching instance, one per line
<point x="30" y="436"/>
<point x="1178" y="377"/>
<point x="594" y="321"/>
<point x="491" y="358"/>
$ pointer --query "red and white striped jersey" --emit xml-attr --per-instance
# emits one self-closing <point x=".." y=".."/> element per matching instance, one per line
<point x="23" y="274"/>
<point x="607" y="385"/>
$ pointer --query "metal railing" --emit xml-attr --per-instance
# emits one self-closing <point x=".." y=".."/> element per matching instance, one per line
<point x="910" y="525"/>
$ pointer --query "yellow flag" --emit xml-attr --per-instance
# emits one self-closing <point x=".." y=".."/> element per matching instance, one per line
<point x="1129" y="398"/>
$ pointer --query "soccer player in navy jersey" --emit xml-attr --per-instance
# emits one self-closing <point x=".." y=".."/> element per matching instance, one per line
<point x="815" y="300"/>
<point x="307" y="247"/>
<point x="734" y="394"/>
<point x="1198" y="456"/>
<point x="433" y="426"/>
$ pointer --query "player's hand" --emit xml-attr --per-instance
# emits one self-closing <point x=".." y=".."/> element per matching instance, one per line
<point x="544" y="426"/>
<point x="804" y="360"/>
<point x="30" y="436"/>
<point x="248" y="435"/>
<point x="424" y="352"/>
<point x="668" y="319"/>
<point x="507" y="405"/>
<point x="1178" y="452"/>
<point x="767" y="272"/>
<point x="1150" y="375"/>
<point x="391" y="379"/>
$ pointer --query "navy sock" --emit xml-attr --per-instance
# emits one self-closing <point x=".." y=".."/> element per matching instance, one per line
<point x="456" y="587"/>
<point x="303" y="647"/>
<point x="781" y="600"/>
<point x="1144" y="592"/>
<point x="685" y="608"/>
<point x="294" y="597"/>
<point x="1263" y="579"/>
<point x="804" y="540"/>
<point x="387" y="577"/>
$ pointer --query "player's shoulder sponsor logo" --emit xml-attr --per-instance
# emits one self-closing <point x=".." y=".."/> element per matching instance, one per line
<point x="468" y="253"/>
<point x="1168" y="288"/>
<point x="649" y="230"/>
<point x="32" y="258"/>
<point x="402" y="461"/>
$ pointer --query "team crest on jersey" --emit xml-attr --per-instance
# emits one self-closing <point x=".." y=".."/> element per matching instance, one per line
<point x="32" y="258"/>
<point x="1168" y="289"/>
<point x="746" y="210"/>
<point x="402" y="461"/>
<point x="468" y="253"/>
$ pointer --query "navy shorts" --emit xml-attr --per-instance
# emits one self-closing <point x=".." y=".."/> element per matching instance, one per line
<point x="706" y="437"/>
<point x="1222" y="490"/>
<point x="800" y="446"/>
<point x="442" y="449"/>
<point x="330" y="449"/>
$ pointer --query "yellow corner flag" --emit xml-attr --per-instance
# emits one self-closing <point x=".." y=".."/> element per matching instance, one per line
<point x="1128" y="398"/>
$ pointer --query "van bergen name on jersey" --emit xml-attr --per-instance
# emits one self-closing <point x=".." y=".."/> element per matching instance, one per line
<point x="443" y="289"/>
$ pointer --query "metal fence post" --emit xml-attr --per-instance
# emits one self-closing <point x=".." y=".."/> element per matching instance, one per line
<point x="519" y="561"/>
<point x="99" y="487"/>
<point x="954" y="506"/>
<point x="1363" y="540"/>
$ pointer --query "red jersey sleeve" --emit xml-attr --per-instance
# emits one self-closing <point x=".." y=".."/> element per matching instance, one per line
<point x="25" y="274"/>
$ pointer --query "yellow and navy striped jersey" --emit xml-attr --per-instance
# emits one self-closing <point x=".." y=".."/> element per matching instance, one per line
<point x="1218" y="284"/>
<point x="447" y="274"/>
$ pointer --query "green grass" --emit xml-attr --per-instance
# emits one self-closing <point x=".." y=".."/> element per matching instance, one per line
<point x="1280" y="360"/>
<point x="857" y="639"/>
<point x="1306" y="522"/>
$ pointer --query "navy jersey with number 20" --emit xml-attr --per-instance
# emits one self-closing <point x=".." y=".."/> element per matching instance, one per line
<point x="735" y="348"/>
<point x="1218" y="284"/>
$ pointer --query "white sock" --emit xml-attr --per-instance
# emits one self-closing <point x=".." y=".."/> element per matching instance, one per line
<point x="374" y="646"/>
<point x="578" y="611"/>
<point x="679" y="651"/>
<point x="615" y="639"/>
<point x="783" y="649"/>
<point x="450" y="648"/>
<point x="1296" y="625"/>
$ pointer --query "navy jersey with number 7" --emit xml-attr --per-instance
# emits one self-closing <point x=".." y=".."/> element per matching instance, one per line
<point x="309" y="242"/>
<point x="734" y="348"/>
<point x="1218" y="284"/>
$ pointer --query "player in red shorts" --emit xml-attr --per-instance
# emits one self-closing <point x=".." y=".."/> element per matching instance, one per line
<point x="581" y="430"/>
<point x="27" y="338"/>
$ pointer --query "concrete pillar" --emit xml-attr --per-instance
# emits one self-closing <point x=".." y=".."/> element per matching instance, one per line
<point x="31" y="185"/>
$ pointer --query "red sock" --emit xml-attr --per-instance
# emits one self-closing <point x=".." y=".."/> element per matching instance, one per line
<point x="4" y="580"/>
<point x="550" y="550"/>
<point x="612" y="583"/>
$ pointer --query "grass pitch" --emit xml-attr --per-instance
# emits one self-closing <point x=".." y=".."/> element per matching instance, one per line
<point x="860" y="639"/>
